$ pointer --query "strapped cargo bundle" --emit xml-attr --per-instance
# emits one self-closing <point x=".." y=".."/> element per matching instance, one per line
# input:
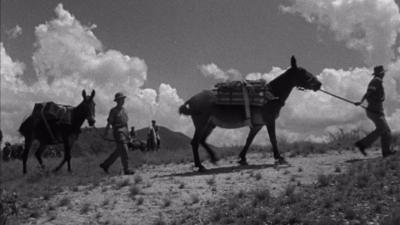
<point x="51" y="111"/>
<point x="256" y="92"/>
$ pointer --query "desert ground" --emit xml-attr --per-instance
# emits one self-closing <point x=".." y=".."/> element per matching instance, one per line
<point x="158" y="194"/>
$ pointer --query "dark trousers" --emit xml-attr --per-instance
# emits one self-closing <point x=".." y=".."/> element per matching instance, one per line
<point x="120" y="151"/>
<point x="120" y="136"/>
<point x="382" y="130"/>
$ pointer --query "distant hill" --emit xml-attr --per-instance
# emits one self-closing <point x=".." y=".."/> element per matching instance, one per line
<point x="91" y="142"/>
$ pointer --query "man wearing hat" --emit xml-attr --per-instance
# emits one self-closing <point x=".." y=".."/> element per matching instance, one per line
<point x="118" y="120"/>
<point x="375" y="96"/>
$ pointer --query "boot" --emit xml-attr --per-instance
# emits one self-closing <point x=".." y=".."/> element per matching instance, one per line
<point x="128" y="172"/>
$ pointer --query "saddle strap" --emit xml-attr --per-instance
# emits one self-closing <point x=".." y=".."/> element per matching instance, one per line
<point x="47" y="125"/>
<point x="246" y="102"/>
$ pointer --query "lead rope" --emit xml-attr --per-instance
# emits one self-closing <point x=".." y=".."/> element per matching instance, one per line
<point x="349" y="101"/>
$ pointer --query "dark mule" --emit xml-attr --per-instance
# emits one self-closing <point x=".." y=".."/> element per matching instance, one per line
<point x="35" y="129"/>
<point x="206" y="115"/>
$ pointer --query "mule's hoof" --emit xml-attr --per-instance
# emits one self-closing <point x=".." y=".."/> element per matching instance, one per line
<point x="41" y="167"/>
<point x="243" y="162"/>
<point x="281" y="161"/>
<point x="214" y="161"/>
<point x="201" y="169"/>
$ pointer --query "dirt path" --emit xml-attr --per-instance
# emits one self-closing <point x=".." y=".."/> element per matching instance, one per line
<point x="166" y="190"/>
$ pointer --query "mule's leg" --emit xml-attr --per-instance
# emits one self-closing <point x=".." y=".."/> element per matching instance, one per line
<point x="61" y="164"/>
<point x="25" y="154"/>
<point x="38" y="154"/>
<point x="206" y="132"/>
<point x="71" y="141"/>
<point x="195" y="148"/>
<point x="253" y="132"/>
<point x="272" y="138"/>
<point x="66" y="156"/>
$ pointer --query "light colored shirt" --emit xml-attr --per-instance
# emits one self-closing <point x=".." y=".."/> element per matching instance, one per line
<point x="118" y="118"/>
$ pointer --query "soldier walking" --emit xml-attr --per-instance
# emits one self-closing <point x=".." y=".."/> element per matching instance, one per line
<point x="375" y="96"/>
<point x="118" y="120"/>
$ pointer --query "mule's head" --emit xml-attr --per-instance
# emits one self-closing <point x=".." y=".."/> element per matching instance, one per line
<point x="302" y="78"/>
<point x="88" y="107"/>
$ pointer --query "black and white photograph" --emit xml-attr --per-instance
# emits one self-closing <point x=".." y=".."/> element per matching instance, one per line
<point x="200" y="112"/>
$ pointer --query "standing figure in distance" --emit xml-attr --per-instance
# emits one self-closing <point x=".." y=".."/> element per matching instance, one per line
<point x="156" y="131"/>
<point x="153" y="137"/>
<point x="132" y="133"/>
<point x="118" y="120"/>
<point x="375" y="96"/>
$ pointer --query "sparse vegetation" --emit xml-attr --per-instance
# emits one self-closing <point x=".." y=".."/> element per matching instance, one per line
<point x="323" y="180"/>
<point x="122" y="183"/>
<point x="65" y="201"/>
<point x="166" y="202"/>
<point x="194" y="198"/>
<point x="361" y="195"/>
<point x="74" y="189"/>
<point x="133" y="191"/>
<point x="159" y="221"/>
<point x="360" y="179"/>
<point x="211" y="181"/>
<point x="258" y="176"/>
<point x="181" y="185"/>
<point x="105" y="202"/>
<point x="139" y="201"/>
<point x="138" y="179"/>
<point x="85" y="208"/>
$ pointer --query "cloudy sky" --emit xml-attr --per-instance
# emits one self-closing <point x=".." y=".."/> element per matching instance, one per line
<point x="160" y="53"/>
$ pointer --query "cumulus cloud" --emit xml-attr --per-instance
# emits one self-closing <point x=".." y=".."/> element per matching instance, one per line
<point x="14" y="32"/>
<point x="213" y="71"/>
<point x="369" y="26"/>
<point x="68" y="58"/>
<point x="10" y="72"/>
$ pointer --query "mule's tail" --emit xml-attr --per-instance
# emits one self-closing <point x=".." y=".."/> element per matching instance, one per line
<point x="185" y="109"/>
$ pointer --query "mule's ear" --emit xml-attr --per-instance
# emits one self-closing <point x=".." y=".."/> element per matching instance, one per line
<point x="293" y="62"/>
<point x="93" y="93"/>
<point x="84" y="94"/>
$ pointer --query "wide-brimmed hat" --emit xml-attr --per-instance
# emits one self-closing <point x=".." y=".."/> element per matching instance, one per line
<point x="119" y="95"/>
<point x="378" y="70"/>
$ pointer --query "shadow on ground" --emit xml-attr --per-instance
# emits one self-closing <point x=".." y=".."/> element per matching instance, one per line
<point x="229" y="169"/>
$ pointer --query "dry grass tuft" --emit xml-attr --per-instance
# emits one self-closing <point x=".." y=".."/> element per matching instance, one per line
<point x="65" y="201"/>
<point x="134" y="191"/>
<point x="139" y="201"/>
<point x="211" y="181"/>
<point x="85" y="208"/>
<point x="122" y="183"/>
<point x="366" y="192"/>
<point x="137" y="179"/>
